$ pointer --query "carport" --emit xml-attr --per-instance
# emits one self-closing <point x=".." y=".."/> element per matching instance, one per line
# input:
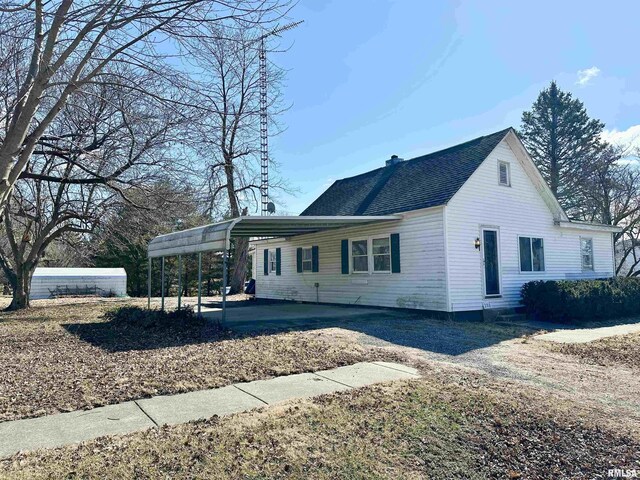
<point x="217" y="237"/>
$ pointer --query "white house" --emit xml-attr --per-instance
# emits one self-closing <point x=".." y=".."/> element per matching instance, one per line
<point x="463" y="229"/>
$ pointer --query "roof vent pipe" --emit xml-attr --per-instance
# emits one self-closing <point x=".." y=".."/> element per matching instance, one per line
<point x="393" y="160"/>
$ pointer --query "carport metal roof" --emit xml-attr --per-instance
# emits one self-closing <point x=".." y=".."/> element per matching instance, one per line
<point x="216" y="236"/>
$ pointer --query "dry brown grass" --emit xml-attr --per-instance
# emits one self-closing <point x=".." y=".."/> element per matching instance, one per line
<point x="565" y="422"/>
<point x="446" y="425"/>
<point x="64" y="356"/>
<point x="619" y="350"/>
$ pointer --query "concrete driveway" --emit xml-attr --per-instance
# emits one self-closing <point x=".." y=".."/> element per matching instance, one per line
<point x="371" y="326"/>
<point x="259" y="316"/>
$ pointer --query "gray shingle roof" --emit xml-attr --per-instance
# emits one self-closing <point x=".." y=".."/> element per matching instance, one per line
<point x="421" y="182"/>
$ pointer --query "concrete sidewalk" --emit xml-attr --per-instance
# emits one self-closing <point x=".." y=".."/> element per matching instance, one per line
<point x="67" y="428"/>
<point x="584" y="335"/>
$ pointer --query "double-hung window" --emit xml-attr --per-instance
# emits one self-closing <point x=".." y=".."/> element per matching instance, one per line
<point x="586" y="252"/>
<point x="371" y="254"/>
<point x="381" y="250"/>
<point x="307" y="259"/>
<point x="360" y="256"/>
<point x="272" y="261"/>
<point x="531" y="254"/>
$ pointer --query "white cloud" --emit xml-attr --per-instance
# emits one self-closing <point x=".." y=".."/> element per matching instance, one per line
<point x="586" y="75"/>
<point x="626" y="138"/>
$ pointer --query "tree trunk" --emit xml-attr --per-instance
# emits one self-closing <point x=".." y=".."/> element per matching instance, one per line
<point x="21" y="289"/>
<point x="239" y="266"/>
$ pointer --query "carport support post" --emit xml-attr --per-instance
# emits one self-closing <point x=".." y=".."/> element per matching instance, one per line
<point x="179" y="281"/>
<point x="199" y="280"/>
<point x="224" y="284"/>
<point x="149" y="285"/>
<point x="162" y="276"/>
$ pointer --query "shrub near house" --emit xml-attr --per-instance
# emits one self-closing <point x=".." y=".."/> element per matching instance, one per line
<point x="579" y="300"/>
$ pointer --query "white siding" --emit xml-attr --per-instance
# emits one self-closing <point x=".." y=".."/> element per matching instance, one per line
<point x="421" y="283"/>
<point x="112" y="281"/>
<point x="516" y="210"/>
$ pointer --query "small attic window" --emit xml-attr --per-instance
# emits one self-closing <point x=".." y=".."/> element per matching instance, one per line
<point x="504" y="174"/>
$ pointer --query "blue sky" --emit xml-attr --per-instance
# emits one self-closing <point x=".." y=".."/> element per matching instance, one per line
<point x="368" y="79"/>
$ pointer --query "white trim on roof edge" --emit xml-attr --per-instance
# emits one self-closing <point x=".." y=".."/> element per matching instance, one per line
<point x="539" y="182"/>
<point x="594" y="227"/>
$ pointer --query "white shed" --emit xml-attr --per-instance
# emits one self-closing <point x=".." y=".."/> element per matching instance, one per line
<point x="50" y="282"/>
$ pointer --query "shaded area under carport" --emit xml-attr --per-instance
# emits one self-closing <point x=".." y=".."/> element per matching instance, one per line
<point x="379" y="326"/>
<point x="272" y="315"/>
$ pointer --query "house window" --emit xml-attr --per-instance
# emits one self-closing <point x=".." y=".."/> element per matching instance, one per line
<point x="359" y="256"/>
<point x="531" y="254"/>
<point x="504" y="174"/>
<point x="307" y="259"/>
<point x="272" y="261"/>
<point x="586" y="252"/>
<point x="381" y="250"/>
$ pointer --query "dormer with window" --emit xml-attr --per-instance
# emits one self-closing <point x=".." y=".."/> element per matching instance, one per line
<point x="504" y="174"/>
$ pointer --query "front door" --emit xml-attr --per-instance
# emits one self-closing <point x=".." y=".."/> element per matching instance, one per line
<point x="491" y="257"/>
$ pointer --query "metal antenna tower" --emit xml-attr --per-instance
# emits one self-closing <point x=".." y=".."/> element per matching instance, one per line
<point x="264" y="117"/>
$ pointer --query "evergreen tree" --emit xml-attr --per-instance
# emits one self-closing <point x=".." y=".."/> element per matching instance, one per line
<point x="564" y="142"/>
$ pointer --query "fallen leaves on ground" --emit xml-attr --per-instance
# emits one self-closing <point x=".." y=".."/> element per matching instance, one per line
<point x="444" y="426"/>
<point x="73" y="356"/>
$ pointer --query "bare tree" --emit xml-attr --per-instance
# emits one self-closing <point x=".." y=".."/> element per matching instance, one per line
<point x="102" y="144"/>
<point x="613" y="198"/>
<point x="52" y="51"/>
<point x="230" y="135"/>
<point x="121" y="240"/>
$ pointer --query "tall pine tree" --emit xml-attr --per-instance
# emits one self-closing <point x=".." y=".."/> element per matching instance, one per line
<point x="564" y="142"/>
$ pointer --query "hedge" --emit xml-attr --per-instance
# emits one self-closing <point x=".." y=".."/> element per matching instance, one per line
<point x="571" y="301"/>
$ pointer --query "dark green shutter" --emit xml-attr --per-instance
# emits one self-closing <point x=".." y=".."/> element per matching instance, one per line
<point x="299" y="259"/>
<point x="345" y="257"/>
<point x="315" y="267"/>
<point x="266" y="261"/>
<point x="278" y="261"/>
<point x="395" y="253"/>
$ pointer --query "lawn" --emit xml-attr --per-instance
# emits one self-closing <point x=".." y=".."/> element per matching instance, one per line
<point x="64" y="356"/>
<point x="445" y="425"/>
<point x="507" y="408"/>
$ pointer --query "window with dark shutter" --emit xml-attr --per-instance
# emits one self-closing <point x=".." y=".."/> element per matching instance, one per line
<point x="381" y="251"/>
<point x="307" y="259"/>
<point x="272" y="261"/>
<point x="360" y="256"/>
